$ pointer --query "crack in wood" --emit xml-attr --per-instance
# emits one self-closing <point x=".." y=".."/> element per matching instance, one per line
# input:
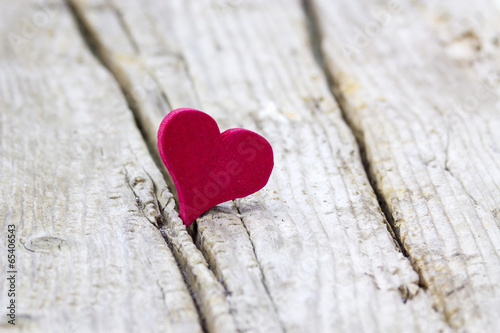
<point x="263" y="277"/>
<point x="211" y="258"/>
<point x="125" y="28"/>
<point x="315" y="40"/>
<point x="159" y="218"/>
<point x="159" y="223"/>
<point x="99" y="52"/>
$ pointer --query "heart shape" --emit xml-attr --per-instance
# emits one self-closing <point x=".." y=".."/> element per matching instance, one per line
<point x="209" y="167"/>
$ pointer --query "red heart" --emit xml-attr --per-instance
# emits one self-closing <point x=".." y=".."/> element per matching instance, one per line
<point x="209" y="167"/>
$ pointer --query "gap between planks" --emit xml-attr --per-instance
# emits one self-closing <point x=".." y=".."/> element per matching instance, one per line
<point x="97" y="51"/>
<point x="315" y="39"/>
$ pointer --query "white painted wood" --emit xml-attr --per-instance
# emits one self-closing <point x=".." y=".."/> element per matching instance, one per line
<point x="310" y="252"/>
<point x="74" y="182"/>
<point x="413" y="88"/>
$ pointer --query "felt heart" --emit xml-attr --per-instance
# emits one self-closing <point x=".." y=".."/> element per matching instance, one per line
<point x="209" y="167"/>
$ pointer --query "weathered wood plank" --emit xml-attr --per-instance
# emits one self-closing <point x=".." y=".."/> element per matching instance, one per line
<point x="311" y="251"/>
<point x="470" y="35"/>
<point x="75" y="183"/>
<point x="429" y="123"/>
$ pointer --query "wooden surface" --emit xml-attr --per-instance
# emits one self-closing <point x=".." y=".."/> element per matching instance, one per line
<point x="79" y="185"/>
<point x="428" y="120"/>
<point x="382" y="213"/>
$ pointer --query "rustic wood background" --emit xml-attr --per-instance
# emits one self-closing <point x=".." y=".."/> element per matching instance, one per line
<point x="382" y="213"/>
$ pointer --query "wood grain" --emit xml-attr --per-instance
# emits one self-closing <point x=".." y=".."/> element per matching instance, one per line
<point x="74" y="182"/>
<point x="311" y="251"/>
<point x="415" y="89"/>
